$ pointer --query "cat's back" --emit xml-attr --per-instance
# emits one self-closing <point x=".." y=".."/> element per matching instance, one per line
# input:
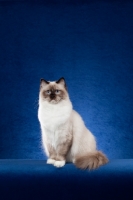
<point x="77" y="119"/>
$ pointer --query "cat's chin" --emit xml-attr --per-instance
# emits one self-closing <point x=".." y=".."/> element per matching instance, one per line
<point x="54" y="102"/>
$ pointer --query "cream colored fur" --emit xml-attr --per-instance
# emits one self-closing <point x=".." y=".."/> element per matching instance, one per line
<point x="59" y="120"/>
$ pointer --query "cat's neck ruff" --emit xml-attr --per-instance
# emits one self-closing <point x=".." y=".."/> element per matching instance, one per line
<point x="54" y="109"/>
<point x="53" y="115"/>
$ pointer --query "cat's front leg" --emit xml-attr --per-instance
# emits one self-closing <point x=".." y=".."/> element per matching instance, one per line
<point x="60" y="163"/>
<point x="50" y="161"/>
<point x="61" y="152"/>
<point x="55" y="157"/>
<point x="52" y="154"/>
<point x="56" y="161"/>
<point x="60" y="158"/>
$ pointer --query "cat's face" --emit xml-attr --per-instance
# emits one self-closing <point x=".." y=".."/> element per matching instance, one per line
<point x="53" y="92"/>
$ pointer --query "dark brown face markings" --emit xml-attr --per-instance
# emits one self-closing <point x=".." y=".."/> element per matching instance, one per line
<point x="62" y="82"/>
<point x="53" y="93"/>
<point x="44" y="81"/>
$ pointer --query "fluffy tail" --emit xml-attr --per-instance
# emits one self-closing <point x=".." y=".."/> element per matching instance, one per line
<point x="90" y="161"/>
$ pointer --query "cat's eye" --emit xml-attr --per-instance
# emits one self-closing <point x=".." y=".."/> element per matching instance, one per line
<point x="48" y="92"/>
<point x="57" y="91"/>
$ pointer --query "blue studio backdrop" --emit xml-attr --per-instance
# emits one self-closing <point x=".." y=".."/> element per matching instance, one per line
<point x="90" y="44"/>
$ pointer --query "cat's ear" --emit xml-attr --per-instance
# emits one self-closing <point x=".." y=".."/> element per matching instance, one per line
<point x="62" y="82"/>
<point x="43" y="83"/>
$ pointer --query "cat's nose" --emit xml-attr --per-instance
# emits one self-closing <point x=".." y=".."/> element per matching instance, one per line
<point x="52" y="96"/>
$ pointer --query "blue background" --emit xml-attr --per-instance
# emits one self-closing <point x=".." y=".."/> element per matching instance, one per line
<point x="90" y="43"/>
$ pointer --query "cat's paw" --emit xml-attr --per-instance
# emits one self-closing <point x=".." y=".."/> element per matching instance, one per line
<point x="50" y="161"/>
<point x="59" y="163"/>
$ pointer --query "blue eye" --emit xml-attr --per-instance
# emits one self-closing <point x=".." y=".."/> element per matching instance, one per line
<point x="57" y="91"/>
<point x="48" y="92"/>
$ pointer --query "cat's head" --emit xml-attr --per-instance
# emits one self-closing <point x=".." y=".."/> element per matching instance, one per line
<point x="53" y="92"/>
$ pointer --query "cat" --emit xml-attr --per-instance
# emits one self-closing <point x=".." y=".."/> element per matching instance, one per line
<point x="64" y="135"/>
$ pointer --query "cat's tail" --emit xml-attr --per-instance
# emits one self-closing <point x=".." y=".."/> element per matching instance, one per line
<point x="91" y="160"/>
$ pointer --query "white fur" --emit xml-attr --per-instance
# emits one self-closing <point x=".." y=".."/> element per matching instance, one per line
<point x="59" y="163"/>
<point x="50" y="161"/>
<point x="57" y="117"/>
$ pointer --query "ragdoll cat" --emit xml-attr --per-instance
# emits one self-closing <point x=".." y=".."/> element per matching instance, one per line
<point x="64" y="134"/>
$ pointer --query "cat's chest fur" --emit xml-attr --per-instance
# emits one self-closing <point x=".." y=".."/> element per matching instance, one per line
<point x="52" y="117"/>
